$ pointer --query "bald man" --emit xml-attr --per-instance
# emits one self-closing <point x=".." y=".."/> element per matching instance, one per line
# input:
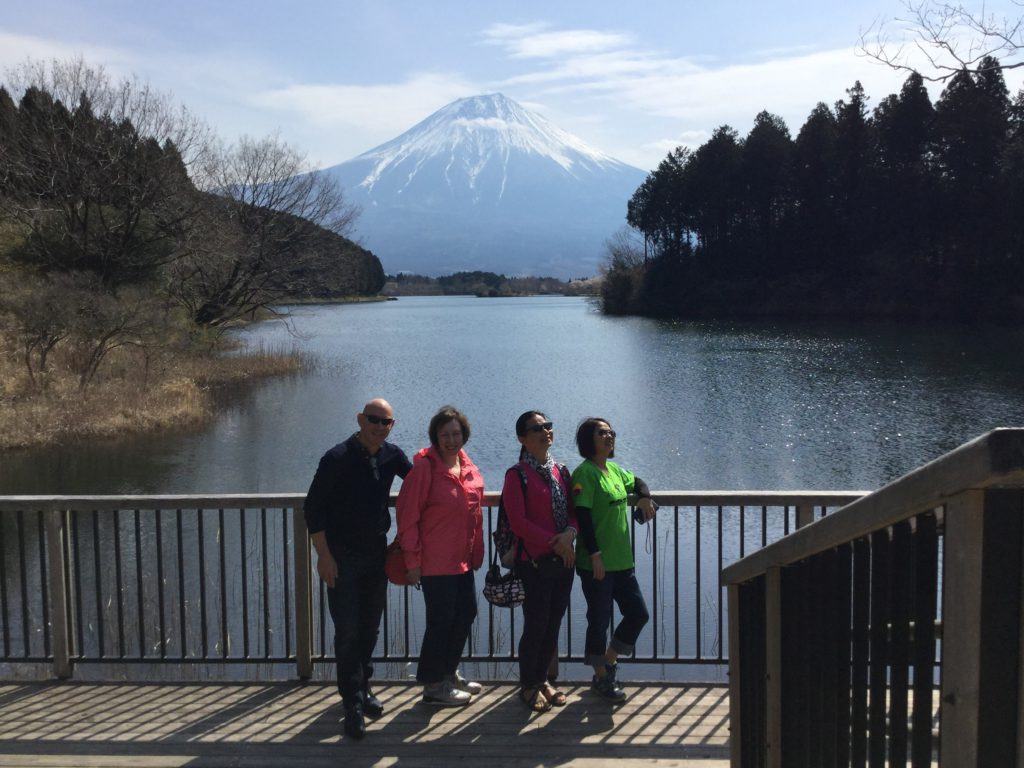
<point x="348" y="519"/>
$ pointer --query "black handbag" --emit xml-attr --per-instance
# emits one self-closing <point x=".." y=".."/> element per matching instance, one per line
<point x="504" y="590"/>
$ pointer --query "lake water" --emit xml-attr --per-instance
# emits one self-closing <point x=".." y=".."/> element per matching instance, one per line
<point x="698" y="405"/>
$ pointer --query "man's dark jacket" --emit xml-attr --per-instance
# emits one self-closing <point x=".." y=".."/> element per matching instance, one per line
<point x="348" y="498"/>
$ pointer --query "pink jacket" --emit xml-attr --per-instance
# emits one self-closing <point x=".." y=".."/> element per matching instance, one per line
<point x="440" y="520"/>
<point x="533" y="521"/>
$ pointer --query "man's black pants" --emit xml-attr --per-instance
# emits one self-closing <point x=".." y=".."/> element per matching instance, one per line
<point x="357" y="604"/>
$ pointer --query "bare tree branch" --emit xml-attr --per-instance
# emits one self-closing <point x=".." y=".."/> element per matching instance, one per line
<point x="938" y="39"/>
<point x="269" y="229"/>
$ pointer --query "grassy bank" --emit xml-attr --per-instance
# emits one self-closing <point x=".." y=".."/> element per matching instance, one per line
<point x="136" y="393"/>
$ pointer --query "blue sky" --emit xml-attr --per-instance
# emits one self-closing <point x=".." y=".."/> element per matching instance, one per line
<point x="337" y="78"/>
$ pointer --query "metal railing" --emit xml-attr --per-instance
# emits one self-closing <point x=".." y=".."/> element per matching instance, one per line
<point x="229" y="579"/>
<point x="842" y="631"/>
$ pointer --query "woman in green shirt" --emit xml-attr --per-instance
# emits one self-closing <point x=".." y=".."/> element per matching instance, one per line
<point x="604" y="557"/>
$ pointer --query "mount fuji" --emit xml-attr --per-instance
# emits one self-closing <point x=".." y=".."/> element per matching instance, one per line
<point x="485" y="184"/>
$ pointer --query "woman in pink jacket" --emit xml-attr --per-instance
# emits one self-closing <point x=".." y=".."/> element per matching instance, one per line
<point x="440" y="527"/>
<point x="540" y="512"/>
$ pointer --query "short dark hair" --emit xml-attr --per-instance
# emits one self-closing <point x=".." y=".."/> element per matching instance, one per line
<point x="525" y="417"/>
<point x="585" y="436"/>
<point x="443" y="416"/>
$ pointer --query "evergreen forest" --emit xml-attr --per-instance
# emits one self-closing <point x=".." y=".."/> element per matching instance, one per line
<point x="125" y="223"/>
<point x="910" y="209"/>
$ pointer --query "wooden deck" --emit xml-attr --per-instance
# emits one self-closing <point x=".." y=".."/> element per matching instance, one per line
<point x="292" y="723"/>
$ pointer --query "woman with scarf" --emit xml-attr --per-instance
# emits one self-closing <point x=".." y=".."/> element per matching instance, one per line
<point x="540" y="512"/>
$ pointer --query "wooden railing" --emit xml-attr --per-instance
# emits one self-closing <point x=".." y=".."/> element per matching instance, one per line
<point x="229" y="579"/>
<point x="841" y="631"/>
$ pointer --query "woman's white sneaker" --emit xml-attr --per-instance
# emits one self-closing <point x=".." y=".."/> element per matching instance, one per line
<point x="460" y="683"/>
<point x="445" y="694"/>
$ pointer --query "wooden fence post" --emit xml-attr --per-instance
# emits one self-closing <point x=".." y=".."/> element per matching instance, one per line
<point x="735" y="681"/>
<point x="773" y="663"/>
<point x="981" y="620"/>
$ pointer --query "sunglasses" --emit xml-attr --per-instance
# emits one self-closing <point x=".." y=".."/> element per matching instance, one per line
<point x="547" y="426"/>
<point x="606" y="433"/>
<point x="379" y="419"/>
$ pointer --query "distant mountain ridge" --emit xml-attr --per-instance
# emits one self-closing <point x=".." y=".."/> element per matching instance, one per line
<point x="484" y="183"/>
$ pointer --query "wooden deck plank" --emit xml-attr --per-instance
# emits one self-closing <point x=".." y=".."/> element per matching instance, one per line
<point x="159" y="725"/>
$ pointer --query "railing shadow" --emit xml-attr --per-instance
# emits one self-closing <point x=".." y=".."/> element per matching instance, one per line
<point x="300" y="723"/>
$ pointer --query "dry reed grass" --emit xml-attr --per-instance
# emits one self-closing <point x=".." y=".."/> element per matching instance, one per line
<point x="134" y="392"/>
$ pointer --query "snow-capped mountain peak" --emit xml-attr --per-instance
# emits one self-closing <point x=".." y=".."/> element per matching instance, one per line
<point x="484" y="183"/>
<point x="476" y="132"/>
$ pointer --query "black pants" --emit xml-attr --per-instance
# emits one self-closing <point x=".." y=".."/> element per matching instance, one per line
<point x="451" y="608"/>
<point x="357" y="604"/>
<point x="622" y="588"/>
<point x="547" y="596"/>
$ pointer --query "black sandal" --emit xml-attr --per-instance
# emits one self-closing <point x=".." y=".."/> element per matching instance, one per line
<point x="534" y="699"/>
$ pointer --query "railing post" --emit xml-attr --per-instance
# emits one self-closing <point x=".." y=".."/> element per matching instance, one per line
<point x="57" y="570"/>
<point x="303" y="597"/>
<point x="735" y="679"/>
<point x="804" y="515"/>
<point x="981" y="619"/>
<point x="773" y="664"/>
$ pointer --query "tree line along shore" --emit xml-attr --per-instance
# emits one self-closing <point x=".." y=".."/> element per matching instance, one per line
<point x="912" y="209"/>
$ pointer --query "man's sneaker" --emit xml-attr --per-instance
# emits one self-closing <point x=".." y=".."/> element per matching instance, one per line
<point x="460" y="683"/>
<point x="605" y="688"/>
<point x="611" y="671"/>
<point x="445" y="694"/>
<point x="355" y="724"/>
<point x="372" y="706"/>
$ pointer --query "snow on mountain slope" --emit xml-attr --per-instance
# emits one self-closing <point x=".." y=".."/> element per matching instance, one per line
<point x="484" y="183"/>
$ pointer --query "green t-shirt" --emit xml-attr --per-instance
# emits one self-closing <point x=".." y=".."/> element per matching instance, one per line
<point x="606" y="496"/>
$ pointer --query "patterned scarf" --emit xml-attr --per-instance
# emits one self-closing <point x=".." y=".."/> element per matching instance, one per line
<point x="550" y="472"/>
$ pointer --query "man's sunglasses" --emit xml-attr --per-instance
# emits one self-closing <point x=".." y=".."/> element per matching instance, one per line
<point x="547" y="426"/>
<point x="379" y="419"/>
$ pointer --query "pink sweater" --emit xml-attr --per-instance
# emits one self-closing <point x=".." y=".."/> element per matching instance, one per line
<point x="533" y="520"/>
<point x="440" y="521"/>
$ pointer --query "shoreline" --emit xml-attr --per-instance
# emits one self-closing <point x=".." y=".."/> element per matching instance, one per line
<point x="180" y="395"/>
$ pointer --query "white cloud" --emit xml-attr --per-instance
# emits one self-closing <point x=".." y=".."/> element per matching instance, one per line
<point x="638" y="104"/>
<point x="532" y="41"/>
<point x="16" y="49"/>
<point x="633" y="102"/>
<point x="387" y="107"/>
<point x="241" y="94"/>
<point x="364" y="115"/>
